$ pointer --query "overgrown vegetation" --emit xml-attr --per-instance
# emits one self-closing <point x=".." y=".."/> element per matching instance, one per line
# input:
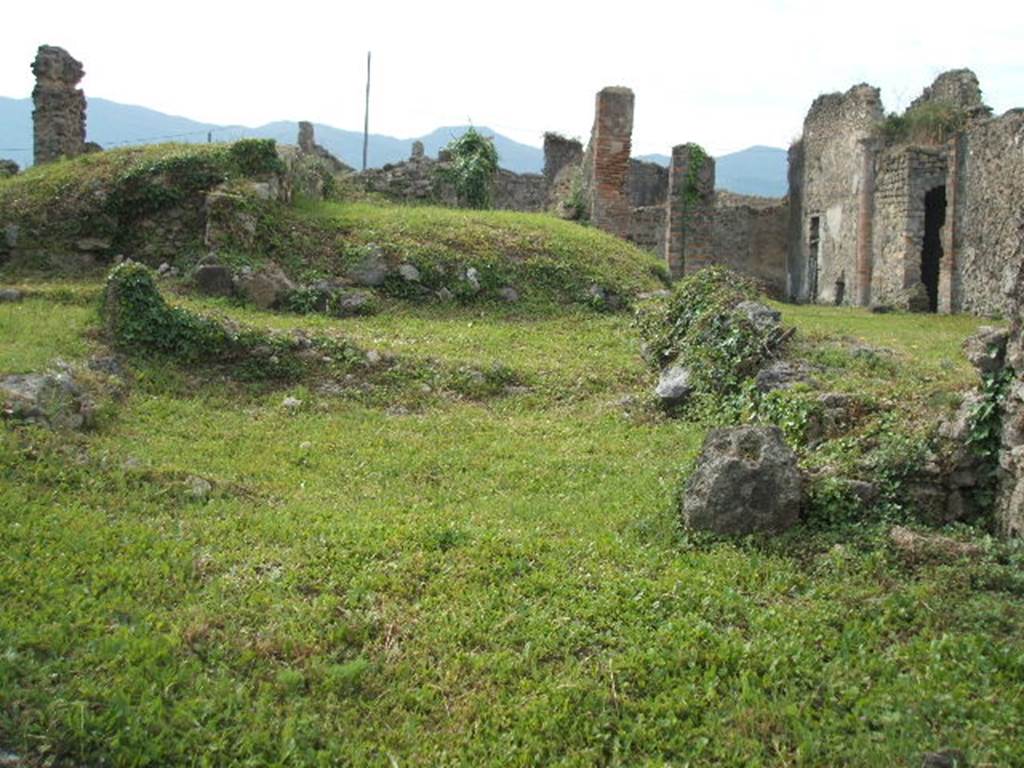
<point x="928" y="123"/>
<point x="471" y="168"/>
<point x="702" y="328"/>
<point x="690" y="189"/>
<point x="495" y="583"/>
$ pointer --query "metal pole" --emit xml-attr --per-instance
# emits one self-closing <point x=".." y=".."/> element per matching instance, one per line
<point x="366" y="114"/>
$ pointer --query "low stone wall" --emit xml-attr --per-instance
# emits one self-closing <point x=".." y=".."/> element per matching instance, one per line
<point x="751" y="237"/>
<point x="520" y="191"/>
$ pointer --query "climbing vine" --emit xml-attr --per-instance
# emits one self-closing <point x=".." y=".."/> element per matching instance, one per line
<point x="690" y="188"/>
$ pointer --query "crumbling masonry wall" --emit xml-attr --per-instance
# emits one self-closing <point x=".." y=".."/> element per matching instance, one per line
<point x="606" y="165"/>
<point x="689" y="226"/>
<point x="647" y="184"/>
<point x="904" y="177"/>
<point x="751" y="236"/>
<point x="58" y="117"/>
<point x="832" y="163"/>
<point x="989" y="222"/>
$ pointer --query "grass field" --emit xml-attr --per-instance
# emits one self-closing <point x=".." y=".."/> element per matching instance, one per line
<point x="496" y="582"/>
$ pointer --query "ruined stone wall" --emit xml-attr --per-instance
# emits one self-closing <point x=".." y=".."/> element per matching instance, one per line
<point x="989" y="223"/>
<point x="904" y="176"/>
<point x="58" y="117"/>
<point x="689" y="223"/>
<point x="751" y="236"/>
<point x="560" y="153"/>
<point x="647" y="228"/>
<point x="520" y="191"/>
<point x="606" y="163"/>
<point x="648" y="183"/>
<point x="959" y="87"/>
<point x="832" y="173"/>
<point x="416" y="181"/>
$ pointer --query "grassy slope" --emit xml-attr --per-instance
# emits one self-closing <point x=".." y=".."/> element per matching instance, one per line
<point x="470" y="584"/>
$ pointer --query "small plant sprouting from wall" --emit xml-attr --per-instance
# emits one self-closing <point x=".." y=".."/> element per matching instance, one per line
<point x="474" y="162"/>
<point x="930" y="123"/>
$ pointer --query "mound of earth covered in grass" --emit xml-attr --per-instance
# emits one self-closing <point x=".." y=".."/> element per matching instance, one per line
<point x="251" y="206"/>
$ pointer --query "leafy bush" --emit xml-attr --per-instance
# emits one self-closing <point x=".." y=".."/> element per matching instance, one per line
<point x="700" y="327"/>
<point x="474" y="161"/>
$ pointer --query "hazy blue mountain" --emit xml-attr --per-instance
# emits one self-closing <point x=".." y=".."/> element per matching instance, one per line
<point x="753" y="171"/>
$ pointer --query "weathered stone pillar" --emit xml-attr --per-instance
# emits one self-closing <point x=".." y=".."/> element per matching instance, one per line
<point x="58" y="119"/>
<point x="307" y="139"/>
<point x="417" y="150"/>
<point x="689" y="226"/>
<point x="608" y="172"/>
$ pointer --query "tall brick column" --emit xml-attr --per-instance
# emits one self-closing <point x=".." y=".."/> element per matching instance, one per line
<point x="58" y="119"/>
<point x="691" y="210"/>
<point x="608" y="170"/>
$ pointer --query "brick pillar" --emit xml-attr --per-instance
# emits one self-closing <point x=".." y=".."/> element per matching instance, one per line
<point x="610" y="145"/>
<point x="58" y="117"/>
<point x="689" y="226"/>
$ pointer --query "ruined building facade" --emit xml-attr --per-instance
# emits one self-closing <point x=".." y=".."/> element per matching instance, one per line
<point x="921" y="211"/>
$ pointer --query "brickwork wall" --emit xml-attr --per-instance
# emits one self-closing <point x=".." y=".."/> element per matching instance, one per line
<point x="58" y="117"/>
<point x="607" y="161"/>
<point x="689" y="225"/>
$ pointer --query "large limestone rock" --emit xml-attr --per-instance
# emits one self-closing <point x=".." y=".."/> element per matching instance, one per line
<point x="52" y="400"/>
<point x="746" y="481"/>
<point x="266" y="287"/>
<point x="674" y="385"/>
<point x="986" y="349"/>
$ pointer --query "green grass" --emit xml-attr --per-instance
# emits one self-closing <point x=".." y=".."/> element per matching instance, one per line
<point x="497" y="583"/>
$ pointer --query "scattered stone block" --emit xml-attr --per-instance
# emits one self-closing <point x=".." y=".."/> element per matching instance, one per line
<point x="214" y="280"/>
<point x="53" y="400"/>
<point x="674" y="385"/>
<point x="746" y="481"/>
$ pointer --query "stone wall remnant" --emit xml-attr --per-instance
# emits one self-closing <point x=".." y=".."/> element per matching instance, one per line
<point x="607" y="161"/>
<point x="307" y="141"/>
<point x="831" y="162"/>
<point x="689" y="234"/>
<point x="58" y="116"/>
<point x="417" y="151"/>
<point x="957" y="87"/>
<point x="307" y="145"/>
<point x="751" y="236"/>
<point x="917" y="220"/>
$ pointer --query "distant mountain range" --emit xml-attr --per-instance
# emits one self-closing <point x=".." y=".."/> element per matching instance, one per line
<point x="753" y="171"/>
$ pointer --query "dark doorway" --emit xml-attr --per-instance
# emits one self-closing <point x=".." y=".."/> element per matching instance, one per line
<point x="813" y="246"/>
<point x="931" y="250"/>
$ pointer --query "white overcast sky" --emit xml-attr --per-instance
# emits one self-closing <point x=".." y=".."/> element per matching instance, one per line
<point x="723" y="73"/>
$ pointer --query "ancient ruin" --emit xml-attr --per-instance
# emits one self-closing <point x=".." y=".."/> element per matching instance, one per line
<point x="59" y="116"/>
<point x="308" y="146"/>
<point x="918" y="211"/>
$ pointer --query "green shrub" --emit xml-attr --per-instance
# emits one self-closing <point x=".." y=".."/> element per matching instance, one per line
<point x="254" y="157"/>
<point x="932" y="122"/>
<point x="474" y="161"/>
<point x="700" y="327"/>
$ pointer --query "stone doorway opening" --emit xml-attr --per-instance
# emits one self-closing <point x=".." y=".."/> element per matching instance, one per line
<point x="931" y="248"/>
